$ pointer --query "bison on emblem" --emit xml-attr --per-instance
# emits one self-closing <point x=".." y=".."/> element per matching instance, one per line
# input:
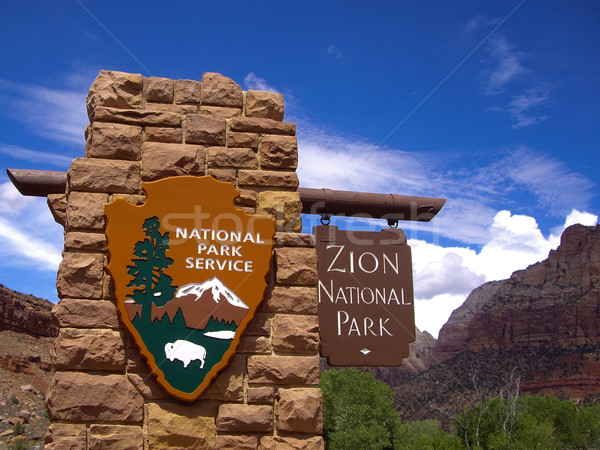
<point x="185" y="351"/>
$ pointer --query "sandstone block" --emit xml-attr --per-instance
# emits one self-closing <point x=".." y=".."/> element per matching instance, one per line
<point x="260" y="325"/>
<point x="300" y="410"/>
<point x="80" y="275"/>
<point x="279" y="152"/>
<point x="134" y="199"/>
<point x="135" y="361"/>
<point x="263" y="104"/>
<point x="270" y="178"/>
<point x="229" y="384"/>
<point x="228" y="175"/>
<point x="265" y="126"/>
<point x="220" y="91"/>
<point x="115" y="141"/>
<point x="88" y="349"/>
<point x="249" y="140"/>
<point x="283" y="369"/>
<point x="283" y="239"/>
<point x="108" y="287"/>
<point x="232" y="157"/>
<point x="86" y="210"/>
<point x="296" y="265"/>
<point x="255" y="344"/>
<point x="203" y="129"/>
<point x="164" y="134"/>
<point x="166" y="160"/>
<point x="224" y="442"/>
<point x="152" y="116"/>
<point x="58" y="207"/>
<point x="104" y="175"/>
<point x="284" y="207"/>
<point x="240" y="418"/>
<point x="247" y="197"/>
<point x="292" y="299"/>
<point x="147" y="385"/>
<point x="79" y="240"/>
<point x="220" y="111"/>
<point x="82" y="397"/>
<point x="289" y="443"/>
<point x="79" y="313"/>
<point x="188" y="91"/>
<point x="172" y="425"/>
<point x="264" y="394"/>
<point x="66" y="436"/>
<point x="160" y="90"/>
<point x="296" y="334"/>
<point x="181" y="110"/>
<point x="114" y="89"/>
<point x="115" y="437"/>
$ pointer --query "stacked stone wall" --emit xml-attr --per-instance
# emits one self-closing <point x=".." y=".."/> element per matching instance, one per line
<point x="102" y="395"/>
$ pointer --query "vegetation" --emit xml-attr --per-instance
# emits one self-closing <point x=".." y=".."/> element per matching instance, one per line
<point x="358" y="411"/>
<point x="359" y="414"/>
<point x="18" y="429"/>
<point x="425" y="435"/>
<point x="529" y="421"/>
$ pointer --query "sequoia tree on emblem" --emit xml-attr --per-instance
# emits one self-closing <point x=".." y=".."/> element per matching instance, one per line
<point x="189" y="272"/>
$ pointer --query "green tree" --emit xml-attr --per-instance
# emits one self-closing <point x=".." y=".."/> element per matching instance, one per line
<point x="425" y="435"/>
<point x="534" y="422"/>
<point x="147" y="269"/>
<point x="358" y="411"/>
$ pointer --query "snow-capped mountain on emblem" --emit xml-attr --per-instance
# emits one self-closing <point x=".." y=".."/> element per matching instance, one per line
<point x="218" y="289"/>
<point x="201" y="301"/>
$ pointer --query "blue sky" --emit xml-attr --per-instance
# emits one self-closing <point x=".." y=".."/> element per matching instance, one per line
<point x="493" y="105"/>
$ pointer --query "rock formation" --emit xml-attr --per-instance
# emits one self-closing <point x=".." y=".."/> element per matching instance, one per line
<point x="552" y="303"/>
<point x="25" y="314"/>
<point x="26" y="336"/>
<point x="420" y="358"/>
<point x="542" y="325"/>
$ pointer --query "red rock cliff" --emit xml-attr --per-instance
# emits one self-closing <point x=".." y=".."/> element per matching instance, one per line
<point x="25" y="314"/>
<point x="553" y="305"/>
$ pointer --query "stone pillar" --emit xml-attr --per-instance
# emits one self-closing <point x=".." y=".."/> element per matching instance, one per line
<point x="102" y="394"/>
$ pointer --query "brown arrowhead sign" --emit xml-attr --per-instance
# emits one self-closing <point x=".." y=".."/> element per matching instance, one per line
<point x="366" y="311"/>
<point x="189" y="273"/>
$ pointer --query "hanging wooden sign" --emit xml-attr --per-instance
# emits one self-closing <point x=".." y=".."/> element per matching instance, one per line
<point x="365" y="288"/>
<point x="189" y="272"/>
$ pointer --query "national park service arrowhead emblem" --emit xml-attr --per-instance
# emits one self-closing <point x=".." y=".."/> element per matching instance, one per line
<point x="189" y="272"/>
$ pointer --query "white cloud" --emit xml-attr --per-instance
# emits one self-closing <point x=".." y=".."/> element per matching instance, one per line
<point x="441" y="272"/>
<point x="522" y="106"/>
<point x="448" y="275"/>
<point x="479" y="22"/>
<point x="575" y="216"/>
<point x="251" y="81"/>
<point x="63" y="110"/>
<point x="11" y="201"/>
<point x="35" y="156"/>
<point x="475" y="195"/>
<point x="334" y="52"/>
<point x="29" y="235"/>
<point x="337" y="162"/>
<point x="556" y="187"/>
<point x="507" y="65"/>
<point x="431" y="315"/>
<point x="516" y="243"/>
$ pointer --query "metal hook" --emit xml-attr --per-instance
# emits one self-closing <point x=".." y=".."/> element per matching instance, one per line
<point x="325" y="219"/>
<point x="393" y="223"/>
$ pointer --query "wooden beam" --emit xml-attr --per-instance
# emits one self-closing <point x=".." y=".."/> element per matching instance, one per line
<point x="325" y="202"/>
<point x="38" y="183"/>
